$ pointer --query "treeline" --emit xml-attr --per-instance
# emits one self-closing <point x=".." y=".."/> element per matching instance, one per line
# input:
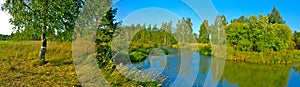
<point x="142" y="38"/>
<point x="261" y="39"/>
<point x="255" y="33"/>
<point x="3" y="37"/>
<point x="165" y="35"/>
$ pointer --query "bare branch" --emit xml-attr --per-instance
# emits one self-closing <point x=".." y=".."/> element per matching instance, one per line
<point x="27" y="6"/>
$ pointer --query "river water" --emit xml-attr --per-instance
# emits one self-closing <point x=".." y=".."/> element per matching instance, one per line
<point x="197" y="72"/>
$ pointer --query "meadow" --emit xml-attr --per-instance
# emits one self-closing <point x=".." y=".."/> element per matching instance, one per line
<point x="19" y="63"/>
<point x="20" y="67"/>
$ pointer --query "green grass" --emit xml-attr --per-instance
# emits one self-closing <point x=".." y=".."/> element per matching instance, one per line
<point x="271" y="57"/>
<point x="18" y="64"/>
<point x="139" y="52"/>
<point x="113" y="76"/>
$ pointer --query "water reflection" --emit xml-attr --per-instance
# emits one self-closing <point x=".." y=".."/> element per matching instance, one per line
<point x="253" y="75"/>
<point x="184" y="68"/>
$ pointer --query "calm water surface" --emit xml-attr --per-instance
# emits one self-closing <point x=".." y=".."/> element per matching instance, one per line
<point x="197" y="69"/>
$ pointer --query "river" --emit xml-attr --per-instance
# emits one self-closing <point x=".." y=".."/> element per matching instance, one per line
<point x="197" y="70"/>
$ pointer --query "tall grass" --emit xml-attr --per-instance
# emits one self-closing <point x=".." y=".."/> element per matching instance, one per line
<point x="112" y="75"/>
<point x="268" y="57"/>
<point x="20" y="56"/>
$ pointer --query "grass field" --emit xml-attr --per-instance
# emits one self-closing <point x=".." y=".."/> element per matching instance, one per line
<point x="18" y="64"/>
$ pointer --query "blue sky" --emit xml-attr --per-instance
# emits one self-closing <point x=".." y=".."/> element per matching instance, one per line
<point x="157" y="11"/>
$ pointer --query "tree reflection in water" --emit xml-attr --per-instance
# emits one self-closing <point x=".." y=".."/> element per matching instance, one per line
<point x="253" y="75"/>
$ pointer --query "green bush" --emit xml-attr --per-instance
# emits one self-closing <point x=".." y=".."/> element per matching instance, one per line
<point x="137" y="56"/>
<point x="206" y="50"/>
<point x="166" y="51"/>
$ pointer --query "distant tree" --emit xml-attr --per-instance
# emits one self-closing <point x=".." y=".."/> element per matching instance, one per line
<point x="178" y="30"/>
<point x="163" y="28"/>
<point x="3" y="37"/>
<point x="169" y="30"/>
<point x="155" y="27"/>
<point x="296" y="39"/>
<point x="275" y="17"/>
<point x="144" y="32"/>
<point x="149" y="29"/>
<point x="240" y="20"/>
<point x="203" y="32"/>
<point x="188" y="30"/>
<point x="217" y="33"/>
<point x="224" y="21"/>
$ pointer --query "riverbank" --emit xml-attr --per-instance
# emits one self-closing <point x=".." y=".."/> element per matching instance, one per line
<point x="283" y="57"/>
<point x="19" y="66"/>
<point x="203" y="49"/>
<point x="270" y="57"/>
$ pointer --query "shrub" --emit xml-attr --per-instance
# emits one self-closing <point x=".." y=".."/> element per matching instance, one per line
<point x="205" y="50"/>
<point x="137" y="56"/>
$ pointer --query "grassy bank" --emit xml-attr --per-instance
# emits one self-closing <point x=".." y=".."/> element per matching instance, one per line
<point x="18" y="64"/>
<point x="203" y="49"/>
<point x="113" y="76"/>
<point x="283" y="57"/>
<point x="267" y="57"/>
<point x="270" y="57"/>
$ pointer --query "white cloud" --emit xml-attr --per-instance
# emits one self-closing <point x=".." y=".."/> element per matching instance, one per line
<point x="5" y="26"/>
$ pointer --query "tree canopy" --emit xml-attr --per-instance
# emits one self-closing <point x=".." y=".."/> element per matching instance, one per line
<point x="275" y="17"/>
<point x="256" y="34"/>
<point x="33" y="17"/>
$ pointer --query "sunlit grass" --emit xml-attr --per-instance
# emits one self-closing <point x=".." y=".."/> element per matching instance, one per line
<point x="271" y="57"/>
<point x="18" y="64"/>
<point x="114" y="77"/>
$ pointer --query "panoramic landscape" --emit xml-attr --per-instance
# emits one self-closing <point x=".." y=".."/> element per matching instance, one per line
<point x="124" y="43"/>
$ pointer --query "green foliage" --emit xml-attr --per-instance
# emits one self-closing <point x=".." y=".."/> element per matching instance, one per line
<point x="184" y="30"/>
<point x="90" y="17"/>
<point x="257" y="35"/>
<point x="296" y="39"/>
<point x="33" y="18"/>
<point x="224" y="21"/>
<point x="104" y="37"/>
<point x="3" y="37"/>
<point x="275" y="17"/>
<point x="166" y="51"/>
<point x="203" y="32"/>
<point x="216" y="32"/>
<point x="137" y="56"/>
<point x="297" y="69"/>
<point x="205" y="50"/>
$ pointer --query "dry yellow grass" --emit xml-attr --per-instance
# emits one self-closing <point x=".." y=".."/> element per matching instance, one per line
<point x="18" y="67"/>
